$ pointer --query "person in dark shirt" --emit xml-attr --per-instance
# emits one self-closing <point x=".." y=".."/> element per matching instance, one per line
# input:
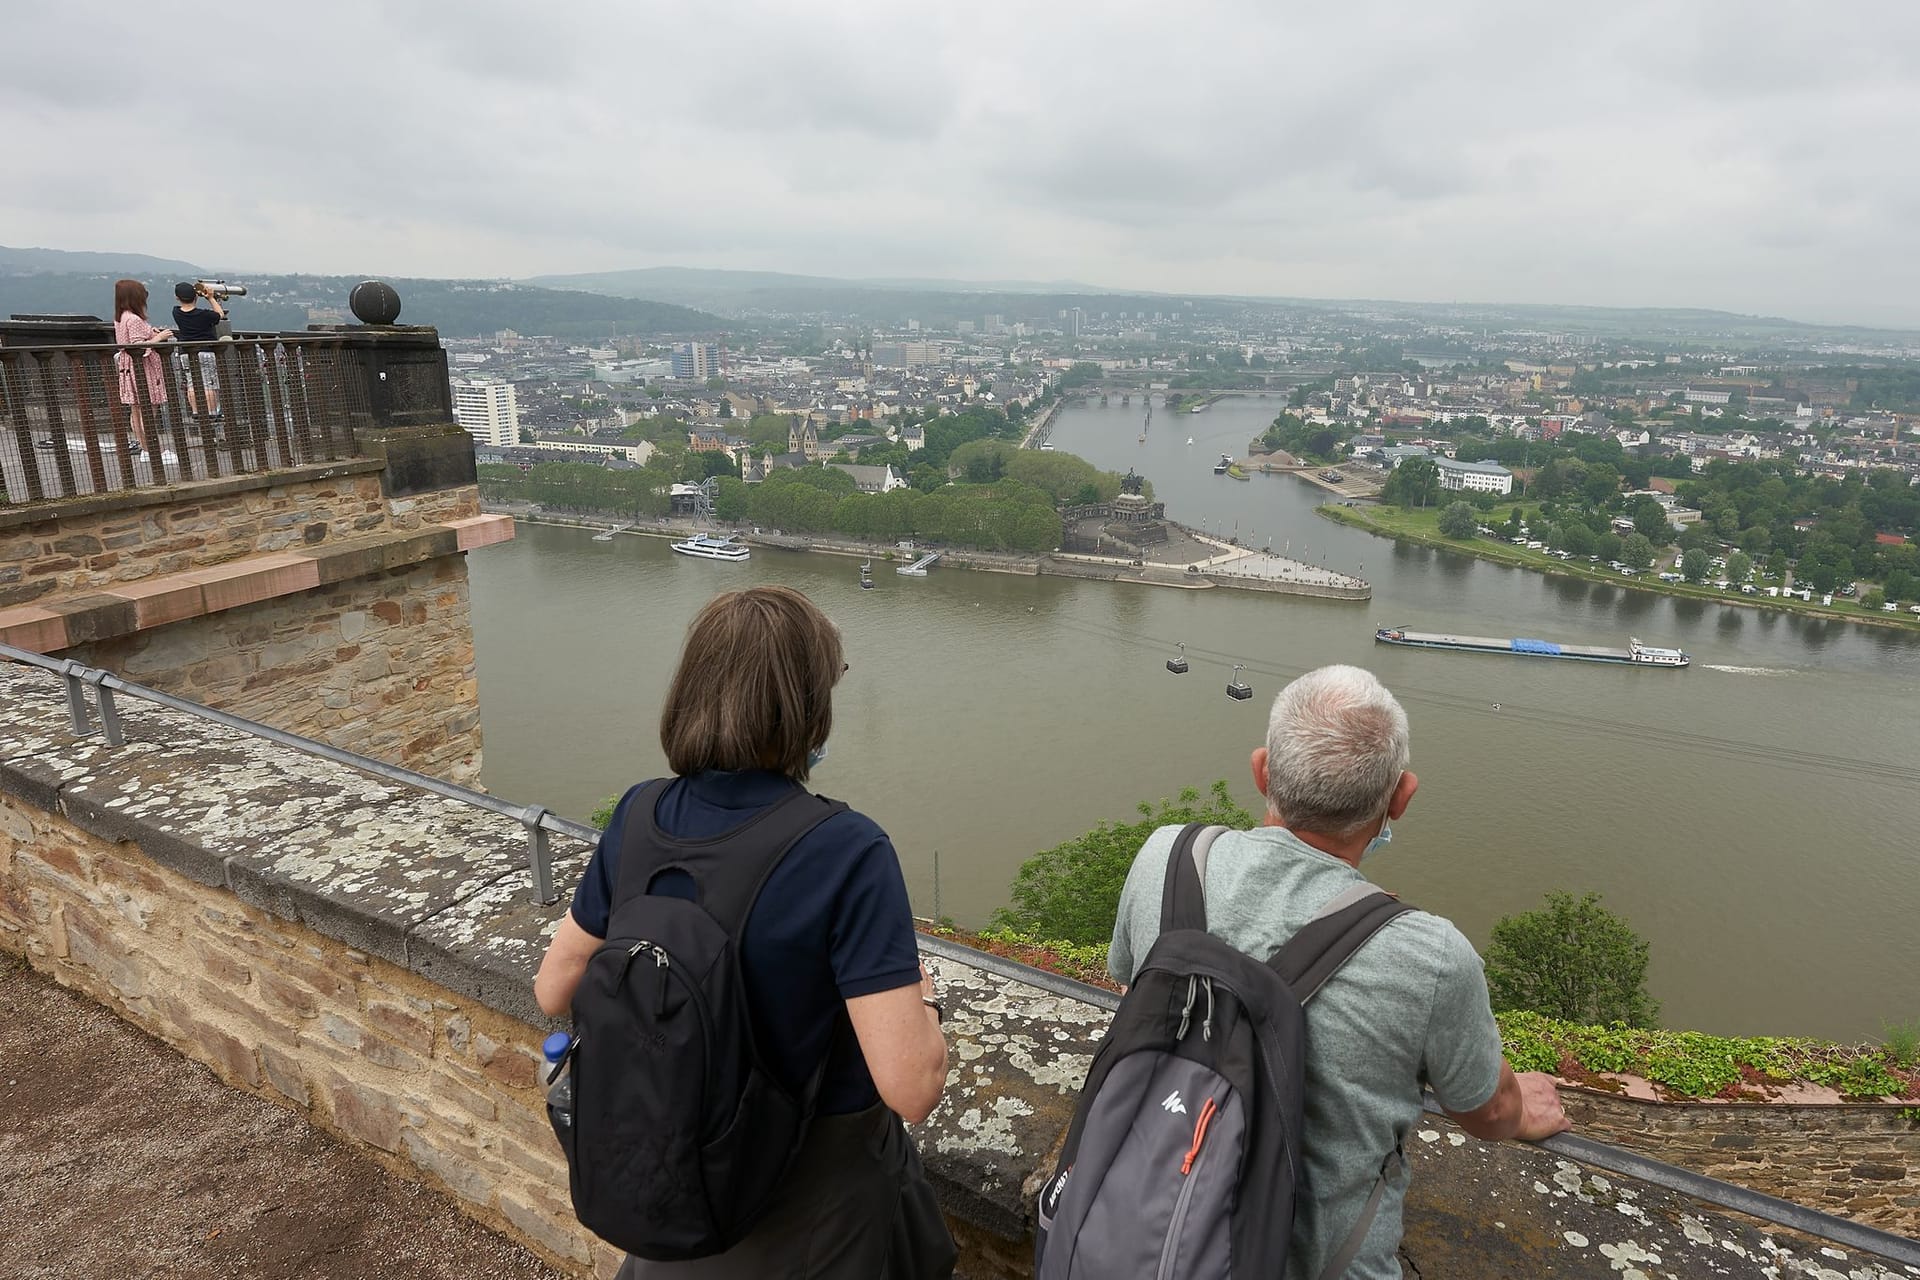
<point x="195" y="323"/>
<point x="828" y="955"/>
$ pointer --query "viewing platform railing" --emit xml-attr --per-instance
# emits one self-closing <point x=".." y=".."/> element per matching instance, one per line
<point x="71" y="416"/>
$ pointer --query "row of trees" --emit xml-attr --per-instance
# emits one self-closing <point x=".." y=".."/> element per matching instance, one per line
<point x="1004" y="516"/>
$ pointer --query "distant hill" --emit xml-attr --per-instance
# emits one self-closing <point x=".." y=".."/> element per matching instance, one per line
<point x="138" y="265"/>
<point x="879" y="302"/>
<point x="682" y="283"/>
<point x="458" y="308"/>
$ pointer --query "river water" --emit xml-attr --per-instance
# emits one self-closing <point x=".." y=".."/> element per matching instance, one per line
<point x="1753" y="816"/>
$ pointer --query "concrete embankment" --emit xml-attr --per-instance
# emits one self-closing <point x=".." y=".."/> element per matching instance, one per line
<point x="1234" y="567"/>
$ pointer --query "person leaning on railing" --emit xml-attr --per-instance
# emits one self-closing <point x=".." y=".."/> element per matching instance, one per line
<point x="829" y="957"/>
<point x="130" y="327"/>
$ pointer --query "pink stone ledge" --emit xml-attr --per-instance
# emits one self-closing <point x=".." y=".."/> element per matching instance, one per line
<point x="127" y="607"/>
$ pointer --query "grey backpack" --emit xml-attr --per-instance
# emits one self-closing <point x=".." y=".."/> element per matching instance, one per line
<point x="1184" y="1158"/>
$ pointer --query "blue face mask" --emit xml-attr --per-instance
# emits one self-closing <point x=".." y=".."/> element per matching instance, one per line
<point x="1384" y="838"/>
<point x="815" y="756"/>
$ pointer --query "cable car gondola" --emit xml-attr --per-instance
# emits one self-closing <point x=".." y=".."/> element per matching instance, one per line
<point x="1238" y="689"/>
<point x="1179" y="665"/>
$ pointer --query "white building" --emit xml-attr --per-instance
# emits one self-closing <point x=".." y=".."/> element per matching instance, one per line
<point x="1474" y="477"/>
<point x="488" y="410"/>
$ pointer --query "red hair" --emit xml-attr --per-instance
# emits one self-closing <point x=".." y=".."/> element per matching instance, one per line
<point x="129" y="295"/>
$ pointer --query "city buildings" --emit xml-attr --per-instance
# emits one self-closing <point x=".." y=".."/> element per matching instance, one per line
<point x="488" y="410"/>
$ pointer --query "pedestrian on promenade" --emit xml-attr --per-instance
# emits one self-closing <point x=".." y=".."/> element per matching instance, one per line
<point x="828" y="958"/>
<point x="130" y="328"/>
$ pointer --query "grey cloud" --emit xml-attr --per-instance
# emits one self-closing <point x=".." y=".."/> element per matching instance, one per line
<point x="1748" y="155"/>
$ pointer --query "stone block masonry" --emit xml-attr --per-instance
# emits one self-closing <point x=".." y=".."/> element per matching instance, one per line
<point x="363" y="951"/>
<point x="1861" y="1161"/>
<point x="381" y="664"/>
<point x="309" y="599"/>
<point x="87" y="544"/>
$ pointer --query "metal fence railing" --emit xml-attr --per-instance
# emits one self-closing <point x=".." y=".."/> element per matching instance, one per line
<point x="77" y="420"/>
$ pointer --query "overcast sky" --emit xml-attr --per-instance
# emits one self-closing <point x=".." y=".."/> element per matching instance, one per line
<point x="1754" y="155"/>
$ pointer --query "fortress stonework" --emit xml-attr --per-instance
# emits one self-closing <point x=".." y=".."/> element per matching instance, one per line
<point x="363" y="951"/>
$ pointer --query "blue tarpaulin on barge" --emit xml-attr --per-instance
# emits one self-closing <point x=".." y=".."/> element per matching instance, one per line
<point x="1544" y="647"/>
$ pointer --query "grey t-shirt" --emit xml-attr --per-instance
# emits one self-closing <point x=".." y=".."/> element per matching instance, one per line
<point x="1410" y="1006"/>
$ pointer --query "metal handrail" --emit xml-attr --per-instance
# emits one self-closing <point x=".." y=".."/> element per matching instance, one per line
<point x="1588" y="1151"/>
<point x="536" y="819"/>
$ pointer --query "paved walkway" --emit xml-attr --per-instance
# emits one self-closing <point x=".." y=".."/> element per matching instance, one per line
<point x="123" y="1159"/>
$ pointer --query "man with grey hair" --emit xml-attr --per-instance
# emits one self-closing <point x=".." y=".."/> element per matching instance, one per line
<point x="1410" y="1008"/>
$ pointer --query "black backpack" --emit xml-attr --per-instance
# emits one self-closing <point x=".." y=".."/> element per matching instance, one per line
<point x="1183" y="1159"/>
<point x="680" y="1134"/>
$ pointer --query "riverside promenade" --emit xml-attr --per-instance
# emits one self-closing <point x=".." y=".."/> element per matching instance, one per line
<point x="1188" y="559"/>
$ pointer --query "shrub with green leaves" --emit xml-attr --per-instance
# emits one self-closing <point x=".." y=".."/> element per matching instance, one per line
<point x="1071" y="891"/>
<point x="1572" y="959"/>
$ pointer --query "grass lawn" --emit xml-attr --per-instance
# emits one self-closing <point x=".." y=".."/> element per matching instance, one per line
<point x="1423" y="526"/>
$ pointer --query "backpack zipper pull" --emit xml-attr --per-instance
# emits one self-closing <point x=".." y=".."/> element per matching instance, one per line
<point x="660" y="963"/>
<point x="1206" y="1023"/>
<point x="1200" y="1124"/>
<point x="1186" y="1013"/>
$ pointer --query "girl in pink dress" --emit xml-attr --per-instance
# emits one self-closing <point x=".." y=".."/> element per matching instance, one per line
<point x="130" y="326"/>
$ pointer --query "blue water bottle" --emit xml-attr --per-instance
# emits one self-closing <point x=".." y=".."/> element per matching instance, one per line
<point x="559" y="1078"/>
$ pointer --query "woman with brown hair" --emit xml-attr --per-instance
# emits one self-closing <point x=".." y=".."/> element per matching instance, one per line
<point x="828" y="958"/>
<point x="130" y="327"/>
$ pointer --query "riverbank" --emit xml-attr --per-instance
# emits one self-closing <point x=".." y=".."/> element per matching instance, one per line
<point x="1232" y="566"/>
<point x="1422" y="527"/>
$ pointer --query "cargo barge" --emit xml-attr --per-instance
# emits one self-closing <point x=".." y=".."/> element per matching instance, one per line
<point x="1635" y="654"/>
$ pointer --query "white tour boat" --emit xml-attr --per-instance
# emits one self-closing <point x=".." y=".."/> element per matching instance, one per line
<point x="708" y="547"/>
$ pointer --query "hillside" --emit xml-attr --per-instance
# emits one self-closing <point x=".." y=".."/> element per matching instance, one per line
<point x="139" y="265"/>
<point x="457" y="308"/>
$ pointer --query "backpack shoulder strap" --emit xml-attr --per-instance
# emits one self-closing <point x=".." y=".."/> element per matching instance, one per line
<point x="1330" y="939"/>
<point x="1183" y="898"/>
<point x="729" y="869"/>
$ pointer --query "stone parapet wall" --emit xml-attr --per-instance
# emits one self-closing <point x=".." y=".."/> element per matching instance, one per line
<point x="380" y="664"/>
<point x="1858" y="1161"/>
<point x="79" y="545"/>
<point x="363" y="951"/>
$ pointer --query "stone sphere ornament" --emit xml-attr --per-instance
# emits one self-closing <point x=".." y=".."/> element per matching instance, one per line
<point x="374" y="302"/>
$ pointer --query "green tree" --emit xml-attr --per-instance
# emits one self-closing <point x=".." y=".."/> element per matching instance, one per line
<point x="1739" y="565"/>
<point x="1650" y="521"/>
<point x="1874" y="599"/>
<point x="1636" y="551"/>
<point x="1694" y="565"/>
<point x="1414" y="483"/>
<point x="1071" y="891"/>
<point x="1459" y="520"/>
<point x="730" y="498"/>
<point x="1572" y="959"/>
<point x="1574" y="538"/>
